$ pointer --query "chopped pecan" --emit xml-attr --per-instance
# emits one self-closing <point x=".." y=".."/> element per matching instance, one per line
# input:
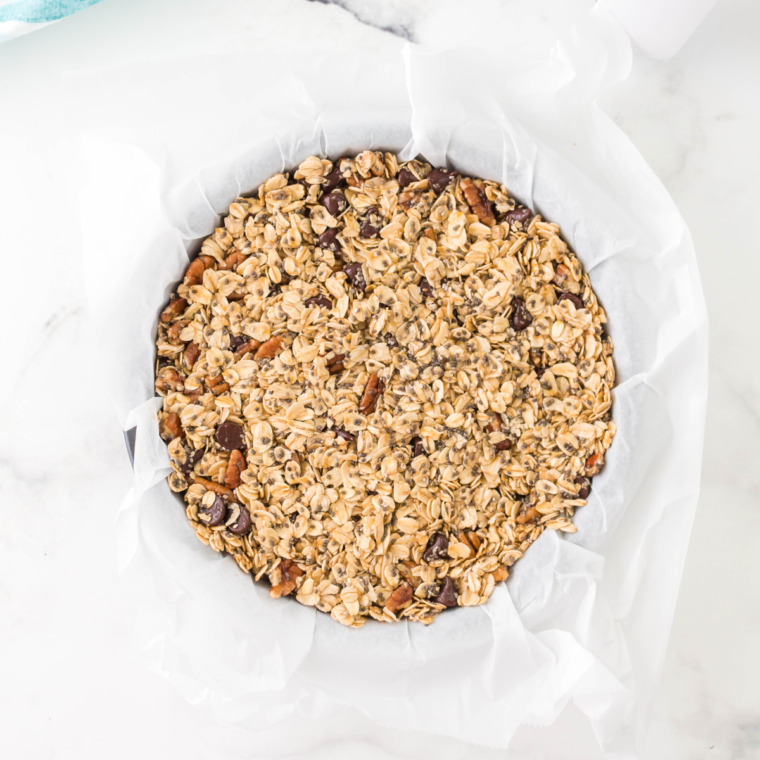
<point x="270" y="348"/>
<point x="211" y="485"/>
<point x="531" y="515"/>
<point x="217" y="390"/>
<point x="289" y="572"/>
<point x="212" y="381"/>
<point x="169" y="380"/>
<point x="476" y="199"/>
<point x="171" y="428"/>
<point x="405" y="568"/>
<point x="234" y="260"/>
<point x="235" y="467"/>
<point x="494" y="425"/>
<point x="562" y="276"/>
<point x="191" y="354"/>
<point x="400" y="597"/>
<point x="500" y="574"/>
<point x="335" y="364"/>
<point x="194" y="273"/>
<point x="236" y="295"/>
<point x="244" y="348"/>
<point x="503" y="445"/>
<point x="174" y="309"/>
<point x="175" y="329"/>
<point x="594" y="464"/>
<point x="372" y="392"/>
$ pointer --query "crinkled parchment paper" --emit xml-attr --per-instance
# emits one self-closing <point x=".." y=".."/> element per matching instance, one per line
<point x="583" y="617"/>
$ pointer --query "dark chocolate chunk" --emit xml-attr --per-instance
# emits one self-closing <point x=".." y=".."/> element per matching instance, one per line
<point x="437" y="548"/>
<point x="192" y="459"/>
<point x="343" y="434"/>
<point x="426" y="288"/>
<point x="242" y="525"/>
<point x="329" y="239"/>
<point x="448" y="593"/>
<point x="318" y="301"/>
<point x="333" y="179"/>
<point x="503" y="445"/>
<point x="355" y="275"/>
<point x="416" y="446"/>
<point x="368" y="230"/>
<point x="236" y="341"/>
<point x="213" y="515"/>
<point x="439" y="179"/>
<point x="521" y="214"/>
<point x="405" y="177"/>
<point x="585" y="486"/>
<point x="335" y="203"/>
<point x="230" y="436"/>
<point x="573" y="299"/>
<point x="521" y="318"/>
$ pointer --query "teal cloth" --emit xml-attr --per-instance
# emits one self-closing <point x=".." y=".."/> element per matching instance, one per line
<point x="42" y="11"/>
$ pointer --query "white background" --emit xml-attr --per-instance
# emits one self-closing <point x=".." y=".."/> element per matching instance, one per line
<point x="68" y="687"/>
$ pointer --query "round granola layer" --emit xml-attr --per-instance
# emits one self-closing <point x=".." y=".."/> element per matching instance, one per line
<point x="381" y="382"/>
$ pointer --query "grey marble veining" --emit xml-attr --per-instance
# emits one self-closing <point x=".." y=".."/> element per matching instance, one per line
<point x="69" y="686"/>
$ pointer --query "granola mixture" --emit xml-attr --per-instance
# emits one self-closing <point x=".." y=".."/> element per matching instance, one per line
<point x="381" y="382"/>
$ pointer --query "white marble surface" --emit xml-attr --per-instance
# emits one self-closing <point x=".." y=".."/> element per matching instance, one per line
<point x="68" y="687"/>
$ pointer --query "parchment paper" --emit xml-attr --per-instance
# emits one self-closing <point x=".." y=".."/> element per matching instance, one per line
<point x="585" y="617"/>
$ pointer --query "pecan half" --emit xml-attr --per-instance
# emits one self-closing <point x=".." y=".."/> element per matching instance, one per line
<point x="211" y="485"/>
<point x="235" y="467"/>
<point x="400" y="598"/>
<point x="372" y="392"/>
<point x="171" y="427"/>
<point x="270" y="348"/>
<point x="289" y="572"/>
<point x="477" y="201"/>
<point x="174" y="309"/>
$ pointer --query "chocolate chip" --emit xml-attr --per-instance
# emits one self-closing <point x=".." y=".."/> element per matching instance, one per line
<point x="333" y="179"/>
<point x="230" y="436"/>
<point x="503" y="445"/>
<point x="426" y="288"/>
<point x="439" y="179"/>
<point x="213" y="515"/>
<point x="242" y="525"/>
<point x="355" y="275"/>
<point x="521" y="214"/>
<point x="585" y="486"/>
<point x="191" y="460"/>
<point x="318" y="301"/>
<point x="521" y="318"/>
<point x="306" y="211"/>
<point x="437" y="548"/>
<point x="405" y="177"/>
<point x="368" y="230"/>
<point x="335" y="203"/>
<point x="573" y="299"/>
<point x="448" y="593"/>
<point x="236" y="341"/>
<point x="416" y="445"/>
<point x="343" y="434"/>
<point x="329" y="239"/>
